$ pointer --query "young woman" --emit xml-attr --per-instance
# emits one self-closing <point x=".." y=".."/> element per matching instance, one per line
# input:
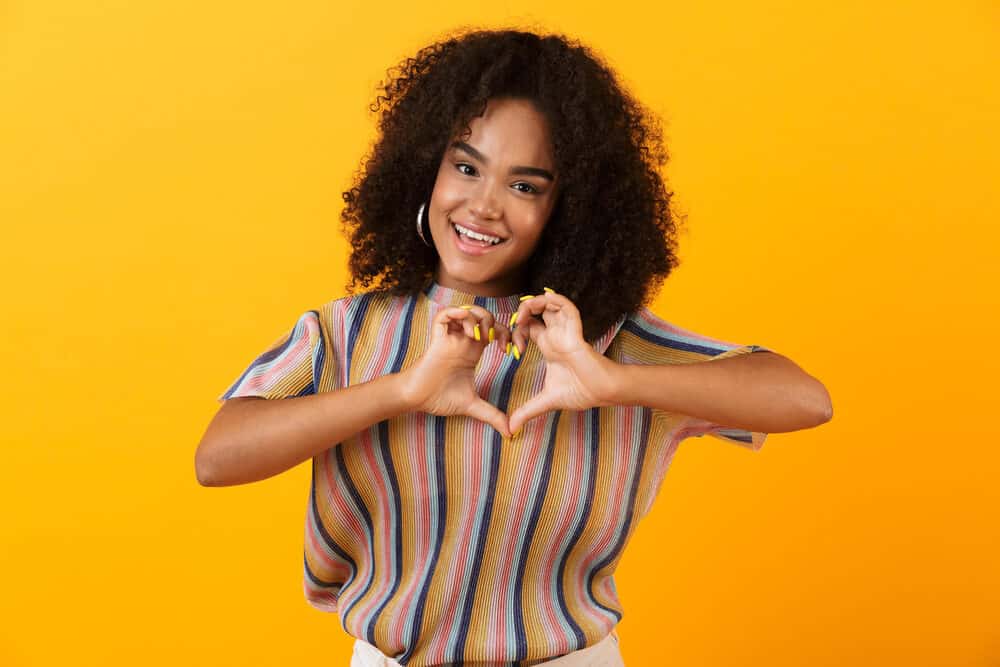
<point x="492" y="415"/>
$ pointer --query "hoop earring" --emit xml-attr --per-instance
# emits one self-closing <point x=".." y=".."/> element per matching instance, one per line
<point x="420" y="227"/>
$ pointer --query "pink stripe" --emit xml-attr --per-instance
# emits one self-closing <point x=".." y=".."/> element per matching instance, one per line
<point x="350" y="522"/>
<point x="471" y="489"/>
<point x="421" y="528"/>
<point x="497" y="614"/>
<point x="278" y="368"/>
<point x="662" y="465"/>
<point x="619" y="492"/>
<point x="567" y="505"/>
<point x="659" y="323"/>
<point x="368" y="441"/>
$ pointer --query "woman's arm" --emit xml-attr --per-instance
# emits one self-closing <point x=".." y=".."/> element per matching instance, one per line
<point x="758" y="391"/>
<point x="251" y="438"/>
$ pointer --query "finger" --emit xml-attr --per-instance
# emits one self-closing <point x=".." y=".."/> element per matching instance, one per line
<point x="554" y="308"/>
<point x="532" y="330"/>
<point x="487" y="328"/>
<point x="503" y="335"/>
<point x="485" y="321"/>
<point x="563" y="302"/>
<point x="537" y="405"/>
<point x="446" y="321"/>
<point x="451" y="315"/>
<point x="465" y="318"/>
<point x="529" y="311"/>
<point x="490" y="414"/>
<point x="552" y="314"/>
<point x="519" y="342"/>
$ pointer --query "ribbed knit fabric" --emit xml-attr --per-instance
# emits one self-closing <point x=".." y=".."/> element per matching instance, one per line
<point x="437" y="542"/>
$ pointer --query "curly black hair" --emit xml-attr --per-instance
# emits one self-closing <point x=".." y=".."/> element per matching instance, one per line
<point x="611" y="237"/>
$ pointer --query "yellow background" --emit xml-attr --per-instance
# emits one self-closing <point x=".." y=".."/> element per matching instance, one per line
<point x="170" y="179"/>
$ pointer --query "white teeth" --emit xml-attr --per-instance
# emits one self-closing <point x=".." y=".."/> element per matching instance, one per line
<point x="476" y="235"/>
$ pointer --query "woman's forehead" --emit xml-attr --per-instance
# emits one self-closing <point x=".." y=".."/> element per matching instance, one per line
<point x="510" y="131"/>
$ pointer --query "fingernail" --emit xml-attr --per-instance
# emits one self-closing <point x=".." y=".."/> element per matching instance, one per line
<point x="475" y="330"/>
<point x="491" y="334"/>
<point x="527" y="296"/>
<point x="549" y="290"/>
<point x="513" y="318"/>
<point x="517" y="353"/>
<point x="508" y="349"/>
<point x="466" y="306"/>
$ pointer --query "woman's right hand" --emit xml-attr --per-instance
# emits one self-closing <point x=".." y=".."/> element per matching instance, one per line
<point x="442" y="381"/>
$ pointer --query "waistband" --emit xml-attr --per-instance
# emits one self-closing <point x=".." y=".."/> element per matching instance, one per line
<point x="367" y="655"/>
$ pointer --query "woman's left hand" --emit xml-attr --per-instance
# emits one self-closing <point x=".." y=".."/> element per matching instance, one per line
<point x="577" y="377"/>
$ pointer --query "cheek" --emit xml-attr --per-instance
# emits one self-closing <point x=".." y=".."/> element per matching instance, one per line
<point x="446" y="189"/>
<point x="529" y="230"/>
<point x="532" y="216"/>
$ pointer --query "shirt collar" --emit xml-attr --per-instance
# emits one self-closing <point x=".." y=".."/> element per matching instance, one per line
<point x="449" y="296"/>
<point x="503" y="305"/>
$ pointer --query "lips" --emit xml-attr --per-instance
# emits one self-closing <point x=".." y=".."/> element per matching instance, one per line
<point x="479" y="229"/>
<point x="469" y="247"/>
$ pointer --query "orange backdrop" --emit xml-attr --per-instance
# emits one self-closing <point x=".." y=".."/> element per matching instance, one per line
<point x="170" y="179"/>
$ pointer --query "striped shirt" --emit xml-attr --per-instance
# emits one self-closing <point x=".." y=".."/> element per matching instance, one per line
<point x="437" y="542"/>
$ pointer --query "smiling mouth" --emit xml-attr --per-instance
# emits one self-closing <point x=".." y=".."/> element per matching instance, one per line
<point x="471" y="240"/>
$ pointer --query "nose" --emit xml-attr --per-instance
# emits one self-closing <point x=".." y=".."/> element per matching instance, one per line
<point x="484" y="204"/>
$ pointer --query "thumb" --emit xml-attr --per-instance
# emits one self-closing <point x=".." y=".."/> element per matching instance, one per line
<point x="487" y="412"/>
<point x="537" y="405"/>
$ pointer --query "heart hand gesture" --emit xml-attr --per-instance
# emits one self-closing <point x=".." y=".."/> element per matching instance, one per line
<point x="577" y="376"/>
<point x="442" y="382"/>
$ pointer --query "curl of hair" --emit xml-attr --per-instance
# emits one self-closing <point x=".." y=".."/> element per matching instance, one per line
<point x="611" y="237"/>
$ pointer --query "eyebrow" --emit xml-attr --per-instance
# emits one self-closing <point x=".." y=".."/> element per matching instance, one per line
<point x="520" y="170"/>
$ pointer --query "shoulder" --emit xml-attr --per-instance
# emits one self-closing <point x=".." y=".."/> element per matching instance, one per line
<point x="646" y="335"/>
<point x="353" y="310"/>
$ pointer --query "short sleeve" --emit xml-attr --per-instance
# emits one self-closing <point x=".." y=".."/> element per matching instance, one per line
<point x="289" y="367"/>
<point x="648" y="339"/>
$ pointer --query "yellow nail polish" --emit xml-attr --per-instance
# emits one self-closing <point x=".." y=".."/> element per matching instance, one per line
<point x="528" y="296"/>
<point x="549" y="290"/>
<point x="508" y="349"/>
<point x="466" y="306"/>
<point x="491" y="334"/>
<point x="513" y="318"/>
<point x="517" y="353"/>
<point x="475" y="330"/>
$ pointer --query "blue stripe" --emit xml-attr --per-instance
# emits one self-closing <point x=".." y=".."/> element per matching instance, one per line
<point x="359" y="505"/>
<point x="635" y="467"/>
<point x="328" y="540"/>
<point x="520" y="635"/>
<point x="493" y="460"/>
<point x="357" y="310"/>
<point x="592" y="441"/>
<point x="319" y="355"/>
<point x="400" y="346"/>
<point x="270" y="355"/>
<point x="501" y="399"/>
<point x="674" y="341"/>
<point x="435" y="494"/>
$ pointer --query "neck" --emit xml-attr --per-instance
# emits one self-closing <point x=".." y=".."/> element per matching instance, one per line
<point x="496" y="289"/>
<point x="502" y="306"/>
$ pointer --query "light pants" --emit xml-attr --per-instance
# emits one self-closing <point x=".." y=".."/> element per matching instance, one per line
<point x="604" y="653"/>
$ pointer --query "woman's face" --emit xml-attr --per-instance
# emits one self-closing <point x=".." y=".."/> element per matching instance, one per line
<point x="501" y="182"/>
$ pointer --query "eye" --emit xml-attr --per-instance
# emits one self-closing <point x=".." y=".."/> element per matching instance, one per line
<point x="529" y="188"/>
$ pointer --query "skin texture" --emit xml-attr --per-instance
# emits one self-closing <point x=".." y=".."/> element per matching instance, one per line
<point x="763" y="391"/>
<point x="484" y="193"/>
<point x="601" y="235"/>
<point x="610" y="239"/>
<point x="480" y="188"/>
